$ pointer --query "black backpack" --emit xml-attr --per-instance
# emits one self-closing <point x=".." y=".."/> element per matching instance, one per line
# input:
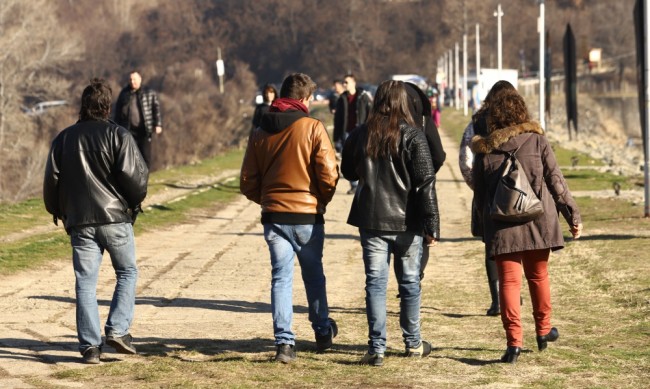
<point x="514" y="199"/>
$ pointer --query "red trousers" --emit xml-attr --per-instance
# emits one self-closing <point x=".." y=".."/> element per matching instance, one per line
<point x="535" y="268"/>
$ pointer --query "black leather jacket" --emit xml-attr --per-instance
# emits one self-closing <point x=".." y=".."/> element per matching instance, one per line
<point x="394" y="194"/>
<point x="95" y="174"/>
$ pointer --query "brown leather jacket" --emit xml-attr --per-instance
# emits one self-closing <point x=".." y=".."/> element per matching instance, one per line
<point x="290" y="168"/>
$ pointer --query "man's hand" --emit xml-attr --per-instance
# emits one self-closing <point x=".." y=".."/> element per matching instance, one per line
<point x="158" y="129"/>
<point x="576" y="230"/>
<point x="431" y="242"/>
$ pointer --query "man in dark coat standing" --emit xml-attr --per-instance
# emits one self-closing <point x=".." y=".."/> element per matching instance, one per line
<point x="138" y="110"/>
<point x="95" y="181"/>
<point x="352" y="109"/>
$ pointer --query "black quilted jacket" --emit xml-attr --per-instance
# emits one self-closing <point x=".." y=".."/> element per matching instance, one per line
<point x="149" y="106"/>
<point x="394" y="194"/>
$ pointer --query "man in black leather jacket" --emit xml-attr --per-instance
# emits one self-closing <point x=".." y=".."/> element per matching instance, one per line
<point x="95" y="180"/>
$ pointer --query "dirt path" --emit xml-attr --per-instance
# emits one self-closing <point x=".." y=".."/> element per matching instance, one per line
<point x="207" y="285"/>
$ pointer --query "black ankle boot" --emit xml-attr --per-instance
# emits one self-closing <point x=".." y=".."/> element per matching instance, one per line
<point x="511" y="355"/>
<point x="494" y="294"/>
<point x="552" y="336"/>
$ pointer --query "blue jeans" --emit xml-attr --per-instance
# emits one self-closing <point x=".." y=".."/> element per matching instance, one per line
<point x="306" y="241"/>
<point x="406" y="247"/>
<point x="88" y="245"/>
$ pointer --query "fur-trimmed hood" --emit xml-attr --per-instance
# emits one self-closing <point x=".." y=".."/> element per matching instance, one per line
<point x="487" y="144"/>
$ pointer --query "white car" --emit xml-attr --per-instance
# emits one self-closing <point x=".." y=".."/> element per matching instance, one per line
<point x="43" y="106"/>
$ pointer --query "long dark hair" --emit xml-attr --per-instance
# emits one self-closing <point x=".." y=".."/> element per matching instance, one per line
<point x="388" y="110"/>
<point x="479" y="119"/>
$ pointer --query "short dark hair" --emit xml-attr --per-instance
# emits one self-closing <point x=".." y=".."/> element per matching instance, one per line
<point x="96" y="100"/>
<point x="350" y="75"/>
<point x="297" y="86"/>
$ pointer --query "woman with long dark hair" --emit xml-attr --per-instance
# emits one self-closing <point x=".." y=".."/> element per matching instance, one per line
<point x="393" y="204"/>
<point x="514" y="245"/>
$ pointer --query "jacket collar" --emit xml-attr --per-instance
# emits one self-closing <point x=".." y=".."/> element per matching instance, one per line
<point x="494" y="140"/>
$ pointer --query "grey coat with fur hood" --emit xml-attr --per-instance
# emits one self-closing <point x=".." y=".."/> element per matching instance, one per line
<point x="543" y="172"/>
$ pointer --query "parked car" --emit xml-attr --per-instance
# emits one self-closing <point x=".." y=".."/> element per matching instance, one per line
<point x="43" y="106"/>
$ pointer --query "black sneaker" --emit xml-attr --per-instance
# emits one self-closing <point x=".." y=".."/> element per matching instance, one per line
<point x="324" y="342"/>
<point x="121" y="344"/>
<point x="91" y="355"/>
<point x="423" y="350"/>
<point x="285" y="353"/>
<point x="372" y="359"/>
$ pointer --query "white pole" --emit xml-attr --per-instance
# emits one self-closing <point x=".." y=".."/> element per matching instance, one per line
<point x="446" y="84"/>
<point x="542" y="83"/>
<point x="498" y="13"/>
<point x="478" y="63"/>
<point x="464" y="90"/>
<point x="220" y="69"/>
<point x="456" y="77"/>
<point x="646" y="168"/>
<point x="451" y="77"/>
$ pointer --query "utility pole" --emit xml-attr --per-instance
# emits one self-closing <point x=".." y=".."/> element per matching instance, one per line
<point x="498" y="13"/>
<point x="446" y="83"/>
<point x="542" y="85"/>
<point x="478" y="61"/>
<point x="451" y="77"/>
<point x="646" y="167"/>
<point x="220" y="69"/>
<point x="465" y="99"/>
<point x="456" y="77"/>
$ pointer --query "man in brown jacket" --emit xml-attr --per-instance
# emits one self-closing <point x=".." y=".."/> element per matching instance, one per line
<point x="290" y="170"/>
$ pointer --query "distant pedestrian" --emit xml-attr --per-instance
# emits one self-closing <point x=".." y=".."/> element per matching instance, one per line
<point x="478" y="126"/>
<point x="352" y="110"/>
<point x="337" y="91"/>
<point x="393" y="207"/>
<point x="290" y="170"/>
<point x="434" y="97"/>
<point x="269" y="94"/>
<point x="419" y="108"/>
<point x="138" y="110"/>
<point x="95" y="180"/>
<point x="516" y="244"/>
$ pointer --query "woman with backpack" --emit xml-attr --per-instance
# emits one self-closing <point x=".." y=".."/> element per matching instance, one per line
<point x="528" y="244"/>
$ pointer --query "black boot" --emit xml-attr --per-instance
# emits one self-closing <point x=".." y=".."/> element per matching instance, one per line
<point x="494" y="294"/>
<point x="511" y="355"/>
<point x="542" y="341"/>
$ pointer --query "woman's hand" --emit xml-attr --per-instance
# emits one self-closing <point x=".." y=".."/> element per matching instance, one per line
<point x="576" y="230"/>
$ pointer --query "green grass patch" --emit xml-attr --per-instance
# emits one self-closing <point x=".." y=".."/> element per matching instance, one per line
<point x="33" y="251"/>
<point x="23" y="215"/>
<point x="587" y="179"/>
<point x="183" y="210"/>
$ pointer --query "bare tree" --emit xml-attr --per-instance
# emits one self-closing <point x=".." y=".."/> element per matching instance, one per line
<point x="34" y="50"/>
